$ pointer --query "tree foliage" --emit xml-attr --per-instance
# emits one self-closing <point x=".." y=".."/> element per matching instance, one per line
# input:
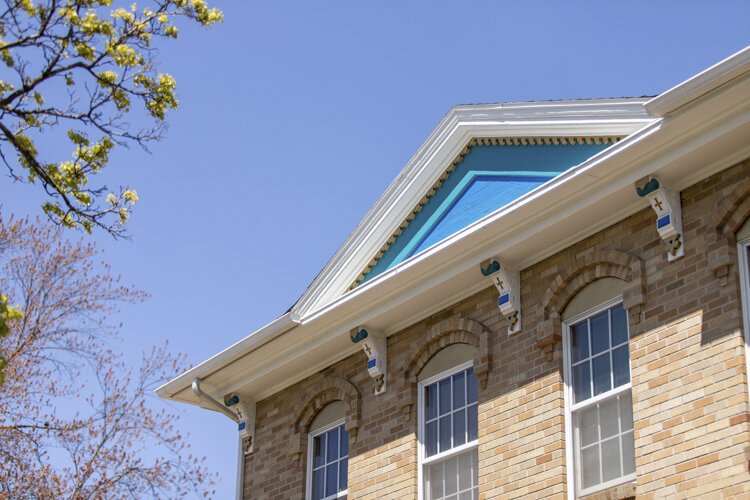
<point x="61" y="437"/>
<point x="85" y="69"/>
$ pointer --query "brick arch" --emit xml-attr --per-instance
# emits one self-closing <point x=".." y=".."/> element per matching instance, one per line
<point x="732" y="213"/>
<point x="576" y="275"/>
<point x="318" y="397"/>
<point x="454" y="330"/>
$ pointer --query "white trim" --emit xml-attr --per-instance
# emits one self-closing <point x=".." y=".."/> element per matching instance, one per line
<point x="704" y="82"/>
<point x="742" y="252"/>
<point x="231" y="354"/>
<point x="421" y="460"/>
<point x="310" y="437"/>
<point x="573" y="468"/>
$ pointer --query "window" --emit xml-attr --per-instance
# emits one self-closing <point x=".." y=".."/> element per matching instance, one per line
<point x="743" y="237"/>
<point x="448" y="426"/>
<point x="599" y="399"/>
<point x="328" y="462"/>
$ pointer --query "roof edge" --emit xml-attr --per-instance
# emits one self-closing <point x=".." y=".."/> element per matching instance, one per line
<point x="261" y="336"/>
<point x="701" y="84"/>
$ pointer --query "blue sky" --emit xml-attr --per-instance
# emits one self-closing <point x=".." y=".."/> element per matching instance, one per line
<point x="295" y="116"/>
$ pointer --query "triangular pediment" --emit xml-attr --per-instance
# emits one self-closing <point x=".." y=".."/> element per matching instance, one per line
<point x="480" y="159"/>
<point x="490" y="174"/>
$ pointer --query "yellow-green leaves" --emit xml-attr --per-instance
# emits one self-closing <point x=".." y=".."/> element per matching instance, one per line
<point x="130" y="195"/>
<point x="161" y="93"/>
<point x="124" y="55"/>
<point x="204" y="14"/>
<point x="92" y="24"/>
<point x="102" y="55"/>
<point x="7" y="58"/>
<point x="86" y="51"/>
<point x="7" y="313"/>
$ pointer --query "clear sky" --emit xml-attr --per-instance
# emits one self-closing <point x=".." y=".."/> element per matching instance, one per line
<point x="295" y="116"/>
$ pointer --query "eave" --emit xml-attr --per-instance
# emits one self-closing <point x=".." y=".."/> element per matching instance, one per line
<point x="701" y="137"/>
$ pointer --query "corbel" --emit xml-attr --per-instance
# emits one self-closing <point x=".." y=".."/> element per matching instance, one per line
<point x="666" y="204"/>
<point x="375" y="347"/>
<point x="245" y="410"/>
<point x="508" y="284"/>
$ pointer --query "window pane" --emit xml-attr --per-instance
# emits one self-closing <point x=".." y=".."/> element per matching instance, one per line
<point x="464" y="471"/>
<point x="343" y="474"/>
<point x="588" y="425"/>
<point x="445" y="433"/>
<point x="430" y="438"/>
<point x="318" y="450"/>
<point x="430" y="400"/>
<point x="451" y="476"/>
<point x="332" y="437"/>
<point x="590" y="466"/>
<point x="445" y="396"/>
<point x="318" y="484"/>
<point x="332" y="480"/>
<point x="610" y="459"/>
<point x="472" y="422"/>
<point x="608" y="418"/>
<point x="628" y="453"/>
<point x="602" y="382"/>
<point x="626" y="411"/>
<point x="581" y="382"/>
<point x="619" y="325"/>
<point x="471" y="382"/>
<point x="466" y="495"/>
<point x="459" y="390"/>
<point x="579" y="341"/>
<point x="459" y="428"/>
<point x="435" y="475"/>
<point x="599" y="333"/>
<point x="621" y="362"/>
<point x="344" y="440"/>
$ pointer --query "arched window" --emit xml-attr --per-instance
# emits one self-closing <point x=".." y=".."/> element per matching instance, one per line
<point x="599" y="408"/>
<point x="328" y="454"/>
<point x="448" y="425"/>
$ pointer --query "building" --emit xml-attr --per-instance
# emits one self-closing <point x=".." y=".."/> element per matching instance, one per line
<point x="548" y="301"/>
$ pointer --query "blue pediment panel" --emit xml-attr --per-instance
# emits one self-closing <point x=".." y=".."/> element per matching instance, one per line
<point x="487" y="178"/>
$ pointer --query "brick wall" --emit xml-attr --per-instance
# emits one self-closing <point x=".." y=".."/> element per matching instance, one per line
<point x="690" y="391"/>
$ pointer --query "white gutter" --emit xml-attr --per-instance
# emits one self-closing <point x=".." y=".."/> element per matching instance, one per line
<point x="236" y="351"/>
<point x="704" y="82"/>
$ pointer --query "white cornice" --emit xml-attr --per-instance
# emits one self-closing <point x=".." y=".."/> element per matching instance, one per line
<point x="701" y="84"/>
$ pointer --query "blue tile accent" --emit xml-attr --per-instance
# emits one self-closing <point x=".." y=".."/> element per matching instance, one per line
<point x="503" y="299"/>
<point x="241" y="426"/>
<point x="371" y="363"/>
<point x="663" y="221"/>
<point x="488" y="178"/>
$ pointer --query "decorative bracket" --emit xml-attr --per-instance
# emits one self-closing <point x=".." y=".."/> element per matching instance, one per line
<point x="375" y="347"/>
<point x="508" y="284"/>
<point x="245" y="410"/>
<point x="666" y="204"/>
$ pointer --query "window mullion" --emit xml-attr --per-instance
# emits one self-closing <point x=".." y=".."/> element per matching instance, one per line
<point x="591" y="356"/>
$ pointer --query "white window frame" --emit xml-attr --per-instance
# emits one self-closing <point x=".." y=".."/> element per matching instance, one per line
<point x="742" y="253"/>
<point x="570" y="456"/>
<point x="310" y="447"/>
<point x="422" y="461"/>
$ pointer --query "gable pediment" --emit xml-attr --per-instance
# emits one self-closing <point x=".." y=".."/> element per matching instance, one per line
<point x="478" y="160"/>
<point x="487" y="175"/>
